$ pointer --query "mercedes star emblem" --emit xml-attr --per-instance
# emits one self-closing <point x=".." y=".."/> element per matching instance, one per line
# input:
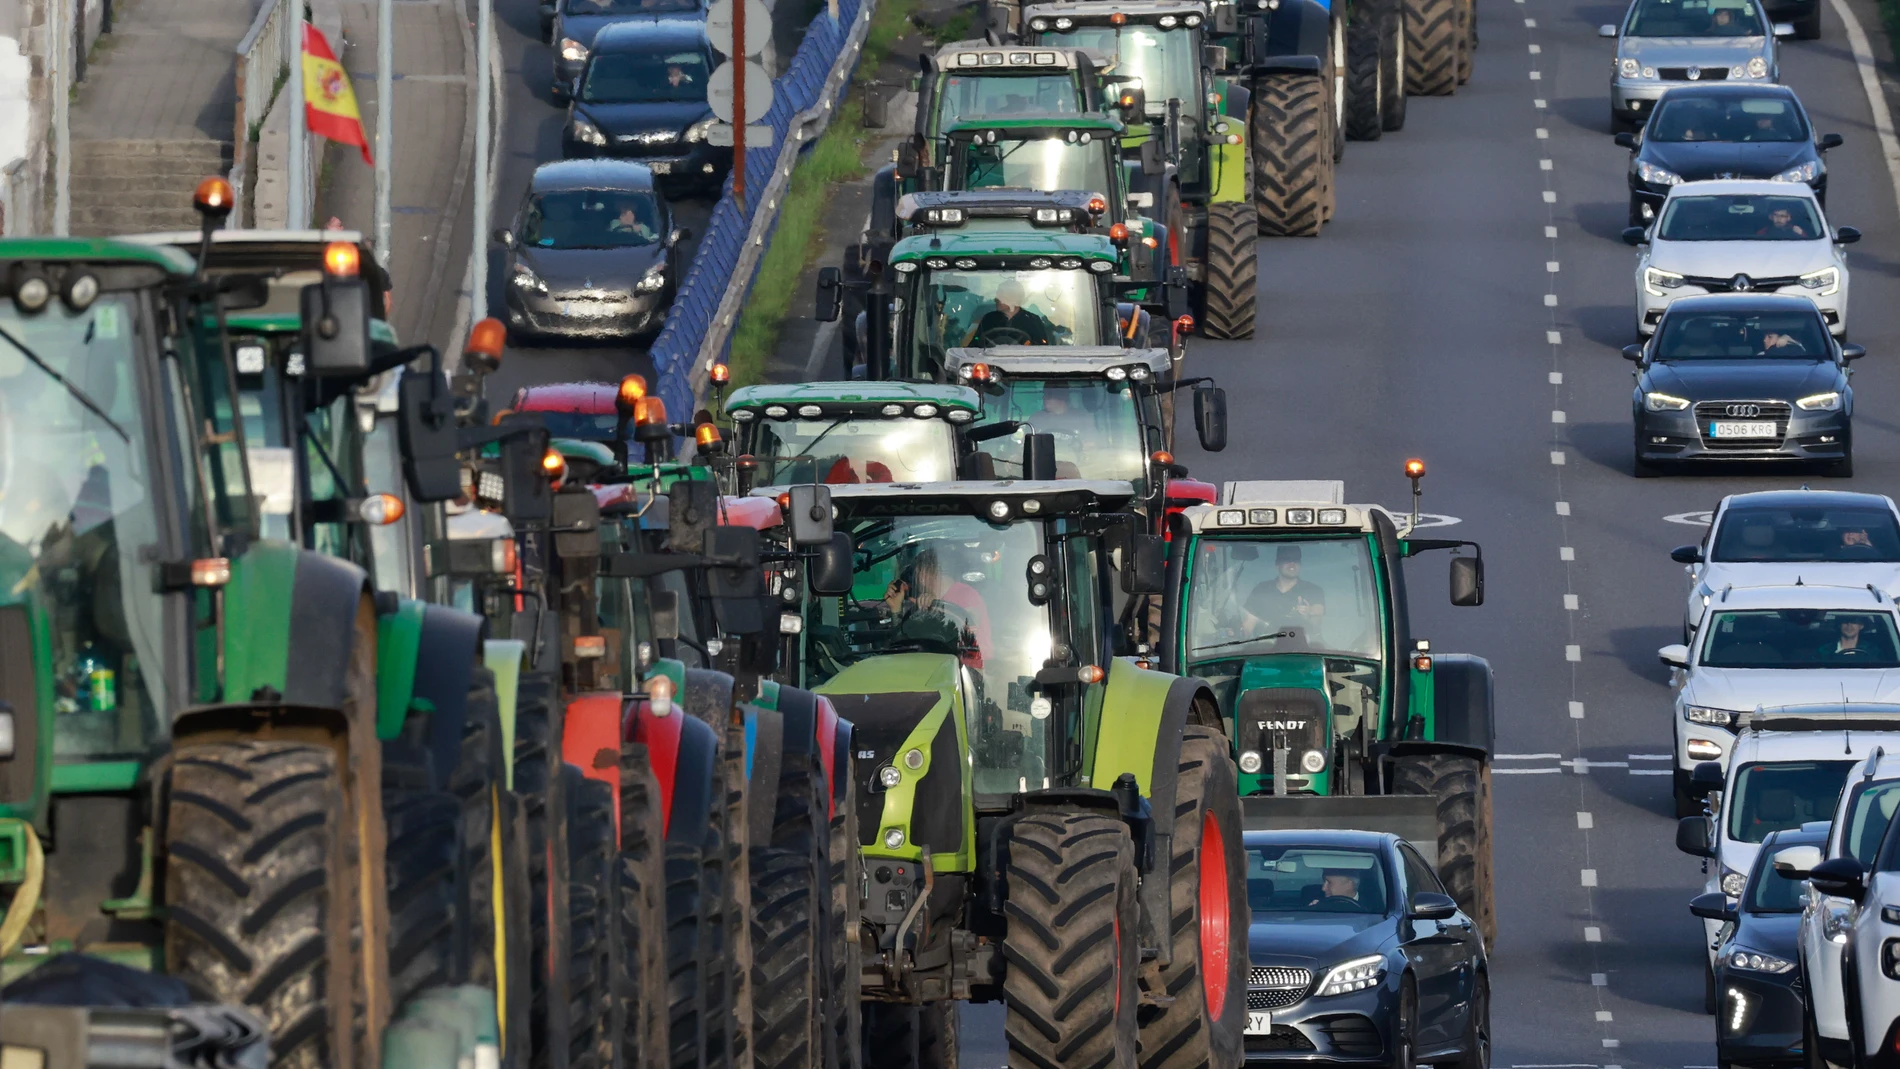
<point x="1741" y="283"/>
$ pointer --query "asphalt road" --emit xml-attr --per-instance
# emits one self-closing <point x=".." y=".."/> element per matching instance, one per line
<point x="1422" y="323"/>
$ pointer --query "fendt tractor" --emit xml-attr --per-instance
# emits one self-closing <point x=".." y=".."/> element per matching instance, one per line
<point x="1043" y="822"/>
<point x="1291" y="603"/>
<point x="851" y="432"/>
<point x="182" y="795"/>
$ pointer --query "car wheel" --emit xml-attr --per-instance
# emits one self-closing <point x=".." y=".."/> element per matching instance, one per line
<point x="1711" y="999"/>
<point x="1640" y="468"/>
<point x="1405" y="1029"/>
<point x="1842" y="468"/>
<point x="1477" y="1039"/>
<point x="1687" y="805"/>
<point x="1810" y="1038"/>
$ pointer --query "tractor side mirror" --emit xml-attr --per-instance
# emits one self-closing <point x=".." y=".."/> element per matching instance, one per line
<point x="526" y="495"/>
<point x="692" y="510"/>
<point x="576" y="524"/>
<point x="831" y="566"/>
<point x="427" y="441"/>
<point x="1686" y="554"/>
<point x="1693" y="837"/>
<point x="336" y="327"/>
<point x="809" y="515"/>
<point x="1841" y="877"/>
<point x="1039" y="457"/>
<point x="830" y="294"/>
<point x="1144" y="571"/>
<point x="1214" y="57"/>
<point x="1210" y="417"/>
<point x="1714" y="906"/>
<point x="1467" y="581"/>
<point x="1625" y="139"/>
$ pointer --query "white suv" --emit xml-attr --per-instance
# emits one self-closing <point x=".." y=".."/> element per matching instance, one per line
<point x="1780" y="536"/>
<point x="1870" y="956"/>
<point x="1777" y="648"/>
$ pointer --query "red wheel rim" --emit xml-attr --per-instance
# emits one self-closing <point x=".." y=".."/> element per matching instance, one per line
<point x="1216" y="915"/>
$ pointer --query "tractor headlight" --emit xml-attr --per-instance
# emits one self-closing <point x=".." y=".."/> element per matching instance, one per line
<point x="889" y="776"/>
<point x="1250" y="762"/>
<point x="1312" y="761"/>
<point x="893" y="838"/>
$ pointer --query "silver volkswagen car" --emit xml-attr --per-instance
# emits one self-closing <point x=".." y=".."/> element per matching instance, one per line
<point x="1666" y="42"/>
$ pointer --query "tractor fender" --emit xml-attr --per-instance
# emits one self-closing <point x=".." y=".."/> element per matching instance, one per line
<point x="1235" y="102"/>
<point x="1296" y="30"/>
<point x="451" y="642"/>
<point x="398" y="649"/>
<point x="834" y="745"/>
<point x="707" y="696"/>
<point x="799" y="707"/>
<point x="684" y="753"/>
<point x="590" y="738"/>
<point x="281" y="598"/>
<point x="1462" y="711"/>
<point x="765" y="738"/>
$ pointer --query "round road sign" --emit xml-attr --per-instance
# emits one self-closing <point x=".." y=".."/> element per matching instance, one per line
<point x="758" y="27"/>
<point x="758" y="91"/>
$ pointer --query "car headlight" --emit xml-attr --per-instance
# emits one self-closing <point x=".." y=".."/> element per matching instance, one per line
<point x="1755" y="961"/>
<point x="1733" y="883"/>
<point x="653" y="281"/>
<point x="1702" y="714"/>
<point x="1837" y="919"/>
<point x="573" y="51"/>
<point x="528" y="280"/>
<point x="586" y="132"/>
<point x="700" y="130"/>
<point x="1757" y="68"/>
<point x="1656" y="280"/>
<point x="1825" y="283"/>
<point x="1628" y="68"/>
<point x="1820" y="402"/>
<point x="1804" y="173"/>
<point x="1656" y="176"/>
<point x="1355" y="975"/>
<point x="1663" y="402"/>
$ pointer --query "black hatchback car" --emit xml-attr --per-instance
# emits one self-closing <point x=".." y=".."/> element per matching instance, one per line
<point x="1723" y="131"/>
<point x="1359" y="957"/>
<point x="642" y="96"/>
<point x="1737" y="376"/>
<point x="1759" y="1014"/>
<point x="571" y="25"/>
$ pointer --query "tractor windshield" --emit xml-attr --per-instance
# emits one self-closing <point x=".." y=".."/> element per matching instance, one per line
<point x="983" y="308"/>
<point x="976" y="96"/>
<point x="1166" y="63"/>
<point x="953" y="585"/>
<point x="1041" y="163"/>
<point x="1096" y="423"/>
<point x="78" y="508"/>
<point x="1251" y="598"/>
<point x="853" y="450"/>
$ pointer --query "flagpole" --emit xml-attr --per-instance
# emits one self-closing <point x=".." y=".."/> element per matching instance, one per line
<point x="385" y="109"/>
<point x="478" y="259"/>
<point x="298" y="216"/>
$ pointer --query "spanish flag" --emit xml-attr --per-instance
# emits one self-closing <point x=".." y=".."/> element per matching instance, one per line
<point x="329" y="102"/>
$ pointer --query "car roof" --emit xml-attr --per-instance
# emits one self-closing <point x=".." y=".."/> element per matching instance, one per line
<point x="1884" y="765"/>
<point x="1736" y="596"/>
<point x="1740" y="302"/>
<point x="1321" y="838"/>
<point x="1729" y="89"/>
<point x="619" y="176"/>
<point x="660" y="35"/>
<point x="1814" y="745"/>
<point x="585" y="398"/>
<point x="1804" y="498"/>
<point x="1801" y="836"/>
<point x="1734" y="186"/>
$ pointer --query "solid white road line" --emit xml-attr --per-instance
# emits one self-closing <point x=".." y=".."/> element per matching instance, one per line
<point x="1870" y="84"/>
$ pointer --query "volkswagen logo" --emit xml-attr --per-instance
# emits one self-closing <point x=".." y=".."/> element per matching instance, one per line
<point x="1726" y="174"/>
<point x="1695" y="74"/>
<point x="1743" y="411"/>
<point x="1741" y="283"/>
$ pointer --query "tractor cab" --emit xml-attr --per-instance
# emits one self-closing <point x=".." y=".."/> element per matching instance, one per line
<point x="852" y="432"/>
<point x="1036" y="152"/>
<point x="1142" y="241"/>
<point x="973" y="79"/>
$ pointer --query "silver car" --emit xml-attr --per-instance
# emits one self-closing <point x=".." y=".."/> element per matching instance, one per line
<point x="1663" y="42"/>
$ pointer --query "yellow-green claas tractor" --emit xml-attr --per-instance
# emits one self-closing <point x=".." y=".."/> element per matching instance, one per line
<point x="1043" y="822"/>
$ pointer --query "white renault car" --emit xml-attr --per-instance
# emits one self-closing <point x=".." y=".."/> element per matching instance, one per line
<point x="1832" y="537"/>
<point x="1731" y="236"/>
<point x="1771" y="649"/>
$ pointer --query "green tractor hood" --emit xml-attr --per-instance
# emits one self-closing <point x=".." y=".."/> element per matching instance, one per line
<point x="1281" y="710"/>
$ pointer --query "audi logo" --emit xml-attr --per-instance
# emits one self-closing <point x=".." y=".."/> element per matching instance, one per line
<point x="1744" y="411"/>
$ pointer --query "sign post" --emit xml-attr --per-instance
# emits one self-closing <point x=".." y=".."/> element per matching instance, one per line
<point x="739" y="91"/>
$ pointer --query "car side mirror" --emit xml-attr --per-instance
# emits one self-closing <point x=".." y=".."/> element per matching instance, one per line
<point x="1675" y="655"/>
<point x="1841" y="877"/>
<point x="1145" y="569"/>
<point x="830" y="294"/>
<point x="1850" y="351"/>
<point x="1714" y="906"/>
<point x="1606" y="31"/>
<point x="1431" y="906"/>
<point x="1828" y="141"/>
<point x="1796" y="862"/>
<point x="1693" y="835"/>
<point x="1467" y="581"/>
<point x="1686" y="554"/>
<point x="1626" y="139"/>
<point x="1846" y="235"/>
<point x="1635" y="235"/>
<point x="1706" y="777"/>
<point x="1633" y="353"/>
<point x="1039" y="457"/>
<point x="1210" y="417"/>
<point x="1784" y="29"/>
<point x="809" y="514"/>
<point x="505" y="237"/>
<point x="831" y="566"/>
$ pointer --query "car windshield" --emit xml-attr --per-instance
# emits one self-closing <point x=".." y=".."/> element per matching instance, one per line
<point x="1774" y="796"/>
<point x="1725" y="118"/>
<point x="645" y="77"/>
<point x="1248" y="598"/>
<point x="952" y="585"/>
<point x="970" y="96"/>
<point x="1693" y="18"/>
<point x="579" y="425"/>
<point x="1822" y="533"/>
<point x="79" y="520"/>
<point x="1740" y="217"/>
<point x="1314" y="879"/>
<point x="1043" y="163"/>
<point x="1001" y="307"/>
<point x="1096" y="423"/>
<point x="1800" y="638"/>
<point x="1870" y="808"/>
<point x="589" y="219"/>
<point x="1790" y="335"/>
<point x="1165" y="62"/>
<point x="629" y="7"/>
<point x="1771" y="892"/>
<point x="865" y="449"/>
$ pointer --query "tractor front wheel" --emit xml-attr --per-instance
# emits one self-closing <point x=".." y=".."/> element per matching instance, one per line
<point x="790" y="890"/>
<point x="640" y="911"/>
<point x="599" y="1016"/>
<point x="1230" y="290"/>
<point x="1392" y="60"/>
<point x="1292" y="154"/>
<point x="1365" y="79"/>
<point x="1461" y="785"/>
<point x="1431" y="46"/>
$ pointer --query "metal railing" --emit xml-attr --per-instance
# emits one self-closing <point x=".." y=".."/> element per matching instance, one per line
<point x="264" y="61"/>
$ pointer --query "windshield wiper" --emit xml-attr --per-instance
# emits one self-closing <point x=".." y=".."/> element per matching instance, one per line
<point x="77" y="394"/>
<point x="1288" y="633"/>
<point x="813" y="444"/>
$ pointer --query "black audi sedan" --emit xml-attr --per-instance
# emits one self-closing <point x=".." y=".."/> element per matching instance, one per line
<point x="1759" y="1014"/>
<point x="642" y="96"/>
<point x="1745" y="377"/>
<point x="571" y="25"/>
<point x="1358" y="955"/>
<point x="1719" y="130"/>
<point x="592" y="253"/>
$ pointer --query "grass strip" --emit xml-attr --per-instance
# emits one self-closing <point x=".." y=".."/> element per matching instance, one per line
<point x="1890" y="18"/>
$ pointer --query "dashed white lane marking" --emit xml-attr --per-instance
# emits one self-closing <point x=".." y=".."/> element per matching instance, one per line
<point x="1530" y="24"/>
<point x="1554" y="337"/>
<point x="1550" y="232"/>
<point x="1612" y="1043"/>
<point x="1537" y="76"/>
<point x="1570" y="602"/>
<point x="1598" y="979"/>
<point x="1580" y="765"/>
<point x="1544" y="165"/>
<point x="1576" y="710"/>
<point x="1566" y="553"/>
<point x="1526" y="756"/>
<point x="1652" y="757"/>
<point x="1551" y="266"/>
<point x="1540" y="104"/>
<point x="1534" y="49"/>
<point x="1550" y="299"/>
<point x="1604" y="1015"/>
<point x="1585" y="821"/>
<point x="1550" y="196"/>
<point x="1870" y="84"/>
<point x="1542" y="133"/>
<point x="1593" y="934"/>
<point x="1556" y="378"/>
<point x="1589" y="877"/>
<point x="1557" y="415"/>
<point x="1557" y="457"/>
<point x="1563" y="508"/>
<point x="1651" y="771"/>
<point x="1525" y="771"/>
<point x="1573" y="653"/>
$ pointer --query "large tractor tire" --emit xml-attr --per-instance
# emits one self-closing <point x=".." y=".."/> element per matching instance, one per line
<point x="264" y="887"/>
<point x="1467" y="38"/>
<point x="1431" y="46"/>
<point x="422" y="859"/>
<point x="1230" y="290"/>
<point x="898" y="1036"/>
<point x="790" y="908"/>
<point x="597" y="1018"/>
<point x="517" y="958"/>
<point x="727" y="979"/>
<point x="694" y="885"/>
<point x="640" y="980"/>
<point x="1070" y="953"/>
<point x="1333" y="68"/>
<point x="844" y="951"/>
<point x="494" y="869"/>
<point x="1462" y="787"/>
<point x="1365" y="77"/>
<point x="1392" y="60"/>
<point x="1206" y="1020"/>
<point x="1292" y="154"/>
<point x="543" y="802"/>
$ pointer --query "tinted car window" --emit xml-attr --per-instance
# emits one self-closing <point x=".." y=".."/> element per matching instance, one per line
<point x="1418" y="875"/>
<point x="587" y="428"/>
<point x="590" y="219"/>
<point x="1807" y="534"/>
<point x="645" y="77"/>
<point x="1771" y="797"/>
<point x="1765" y="118"/>
<point x="1799" y="638"/>
<point x="1771" y="892"/>
<point x="1870" y="809"/>
<point x="1741" y="336"/>
<point x="1311" y="879"/>
<point x="1740" y="217"/>
<point x="1693" y="18"/>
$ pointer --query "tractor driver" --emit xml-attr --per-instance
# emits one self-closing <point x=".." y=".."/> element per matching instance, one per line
<point x="1286" y="600"/>
<point x="922" y="611"/>
<point x="1009" y="323"/>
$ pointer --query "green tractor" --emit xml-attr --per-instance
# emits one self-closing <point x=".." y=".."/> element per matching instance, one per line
<point x="847" y="432"/>
<point x="1291" y="603"/>
<point x="1043" y="822"/>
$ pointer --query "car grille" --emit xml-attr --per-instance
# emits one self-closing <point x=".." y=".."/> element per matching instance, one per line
<point x="1354" y="1035"/>
<point x="1703" y="74"/>
<point x="1279" y="976"/>
<point x="603" y="296"/>
<point x="1755" y="285"/>
<point x="1707" y="412"/>
<point x="1278" y="998"/>
<point x="1281" y="1038"/>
